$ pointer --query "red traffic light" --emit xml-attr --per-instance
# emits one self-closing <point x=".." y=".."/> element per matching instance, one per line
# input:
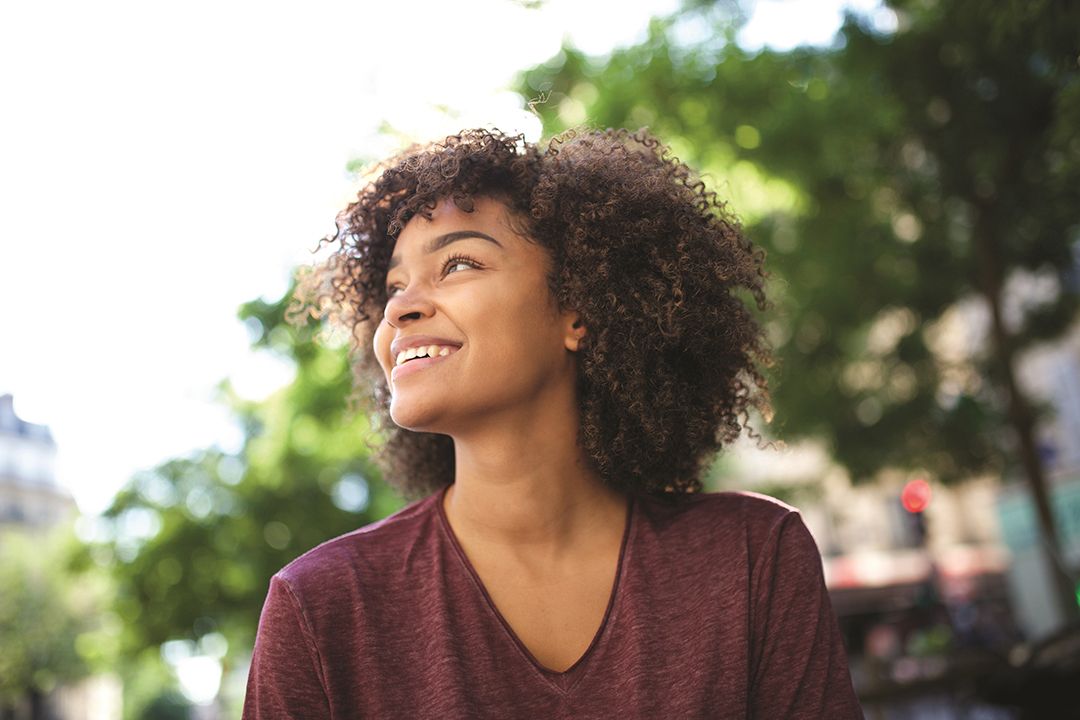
<point x="916" y="495"/>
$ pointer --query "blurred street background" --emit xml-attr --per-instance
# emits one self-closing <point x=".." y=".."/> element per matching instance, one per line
<point x="168" y="441"/>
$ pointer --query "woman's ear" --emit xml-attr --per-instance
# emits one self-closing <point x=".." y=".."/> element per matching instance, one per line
<point x="575" y="331"/>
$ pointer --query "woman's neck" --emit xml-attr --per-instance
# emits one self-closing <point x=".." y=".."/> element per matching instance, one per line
<point x="529" y="490"/>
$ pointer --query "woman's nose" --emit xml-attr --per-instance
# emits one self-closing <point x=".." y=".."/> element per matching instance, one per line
<point x="412" y="303"/>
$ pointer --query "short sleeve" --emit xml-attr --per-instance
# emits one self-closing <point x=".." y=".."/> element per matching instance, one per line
<point x="798" y="666"/>
<point x="285" y="680"/>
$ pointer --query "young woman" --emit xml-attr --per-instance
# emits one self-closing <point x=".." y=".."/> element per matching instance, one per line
<point x="555" y="337"/>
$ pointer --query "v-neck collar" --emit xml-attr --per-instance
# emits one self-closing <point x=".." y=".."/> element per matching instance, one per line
<point x="565" y="680"/>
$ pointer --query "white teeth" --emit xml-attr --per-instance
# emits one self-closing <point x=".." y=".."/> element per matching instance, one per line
<point x="422" y="351"/>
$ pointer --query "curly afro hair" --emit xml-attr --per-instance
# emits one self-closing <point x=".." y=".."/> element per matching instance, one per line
<point x="647" y="256"/>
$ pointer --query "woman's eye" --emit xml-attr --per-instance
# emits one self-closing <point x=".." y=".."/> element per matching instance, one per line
<point x="460" y="261"/>
<point x="452" y="265"/>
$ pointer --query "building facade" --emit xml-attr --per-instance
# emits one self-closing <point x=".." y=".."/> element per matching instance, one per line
<point x="30" y="497"/>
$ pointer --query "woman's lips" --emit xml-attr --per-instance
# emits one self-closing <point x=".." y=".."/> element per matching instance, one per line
<point x="412" y="366"/>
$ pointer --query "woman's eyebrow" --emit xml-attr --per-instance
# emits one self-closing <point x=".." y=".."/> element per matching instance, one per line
<point x="440" y="241"/>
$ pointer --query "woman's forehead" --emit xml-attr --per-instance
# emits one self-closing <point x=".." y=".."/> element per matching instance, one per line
<point x="488" y="216"/>
<point x="447" y="210"/>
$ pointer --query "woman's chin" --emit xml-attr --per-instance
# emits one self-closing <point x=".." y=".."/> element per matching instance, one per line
<point x="415" y="416"/>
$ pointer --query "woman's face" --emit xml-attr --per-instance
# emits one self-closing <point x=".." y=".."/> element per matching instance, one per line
<point x="470" y="286"/>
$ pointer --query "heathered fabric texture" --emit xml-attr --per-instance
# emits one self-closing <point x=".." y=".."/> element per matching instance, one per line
<point x="719" y="610"/>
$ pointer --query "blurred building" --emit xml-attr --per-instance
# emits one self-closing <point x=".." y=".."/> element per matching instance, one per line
<point x="30" y="497"/>
<point x="1050" y="375"/>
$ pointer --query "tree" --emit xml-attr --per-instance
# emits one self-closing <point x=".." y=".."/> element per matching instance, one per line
<point x="44" y="611"/>
<point x="890" y="178"/>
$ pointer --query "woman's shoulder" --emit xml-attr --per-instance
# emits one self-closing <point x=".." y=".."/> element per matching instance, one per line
<point x="742" y="509"/>
<point x="717" y="521"/>
<point x="367" y="550"/>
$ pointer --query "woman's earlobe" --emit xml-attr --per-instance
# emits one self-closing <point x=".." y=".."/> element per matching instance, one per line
<point x="575" y="336"/>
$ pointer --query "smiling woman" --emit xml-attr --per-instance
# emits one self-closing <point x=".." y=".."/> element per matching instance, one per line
<point x="556" y="350"/>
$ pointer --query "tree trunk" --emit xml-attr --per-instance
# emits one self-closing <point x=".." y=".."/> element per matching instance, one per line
<point x="37" y="706"/>
<point x="990" y="277"/>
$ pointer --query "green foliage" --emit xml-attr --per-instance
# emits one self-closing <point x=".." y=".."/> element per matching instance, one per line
<point x="167" y="706"/>
<point x="46" y="616"/>
<point x="195" y="540"/>
<point x="888" y="177"/>
<point x="149" y="690"/>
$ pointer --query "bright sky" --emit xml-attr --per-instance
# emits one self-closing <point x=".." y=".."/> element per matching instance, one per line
<point x="160" y="164"/>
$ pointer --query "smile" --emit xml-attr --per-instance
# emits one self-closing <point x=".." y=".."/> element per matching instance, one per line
<point x="423" y="351"/>
<point x="416" y="359"/>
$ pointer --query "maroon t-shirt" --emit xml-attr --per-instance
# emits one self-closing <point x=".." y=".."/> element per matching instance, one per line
<point x="718" y="610"/>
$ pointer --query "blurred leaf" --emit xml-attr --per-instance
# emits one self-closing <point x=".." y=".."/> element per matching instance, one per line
<point x="43" y="614"/>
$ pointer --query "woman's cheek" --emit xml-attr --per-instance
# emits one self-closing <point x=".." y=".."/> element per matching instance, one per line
<point x="381" y="346"/>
